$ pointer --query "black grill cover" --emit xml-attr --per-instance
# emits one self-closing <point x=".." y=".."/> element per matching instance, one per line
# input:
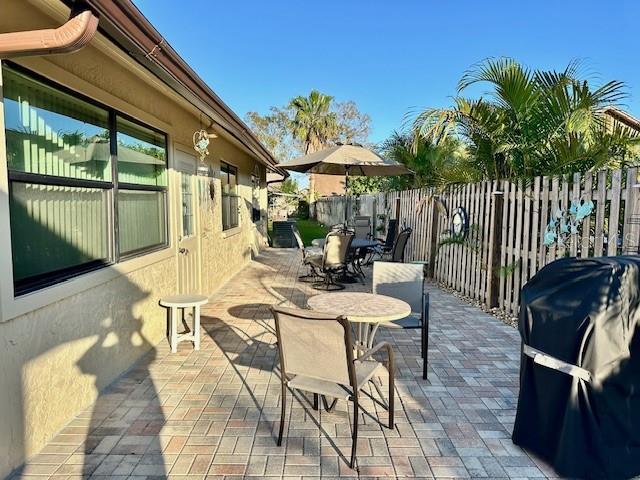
<point x="584" y="312"/>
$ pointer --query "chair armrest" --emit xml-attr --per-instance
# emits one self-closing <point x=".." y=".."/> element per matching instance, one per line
<point x="386" y="345"/>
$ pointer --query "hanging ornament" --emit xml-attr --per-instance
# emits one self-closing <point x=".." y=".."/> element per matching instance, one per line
<point x="200" y="143"/>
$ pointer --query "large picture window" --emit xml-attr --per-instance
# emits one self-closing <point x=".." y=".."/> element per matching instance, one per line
<point x="87" y="187"/>
<point x="230" y="198"/>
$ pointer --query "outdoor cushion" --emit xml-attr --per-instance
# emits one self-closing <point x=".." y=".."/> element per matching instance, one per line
<point x="364" y="372"/>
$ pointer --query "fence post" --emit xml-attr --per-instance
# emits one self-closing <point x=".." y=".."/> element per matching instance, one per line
<point x="495" y="241"/>
<point x="433" y="242"/>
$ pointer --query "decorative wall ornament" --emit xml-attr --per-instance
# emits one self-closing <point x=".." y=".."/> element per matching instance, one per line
<point x="459" y="223"/>
<point x="564" y="224"/>
<point x="201" y="143"/>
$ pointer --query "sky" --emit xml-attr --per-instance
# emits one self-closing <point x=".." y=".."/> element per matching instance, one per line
<point x="390" y="57"/>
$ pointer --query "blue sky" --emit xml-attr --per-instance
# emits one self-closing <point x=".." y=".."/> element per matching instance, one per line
<point x="389" y="56"/>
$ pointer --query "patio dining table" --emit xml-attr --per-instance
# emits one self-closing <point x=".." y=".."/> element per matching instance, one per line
<point x="356" y="243"/>
<point x="367" y="310"/>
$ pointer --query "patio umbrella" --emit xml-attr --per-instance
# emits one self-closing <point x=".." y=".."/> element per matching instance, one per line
<point x="347" y="160"/>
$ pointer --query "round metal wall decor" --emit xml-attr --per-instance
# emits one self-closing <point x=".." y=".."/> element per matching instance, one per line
<point x="459" y="223"/>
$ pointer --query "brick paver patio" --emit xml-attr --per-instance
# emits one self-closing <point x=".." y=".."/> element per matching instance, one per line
<point x="214" y="413"/>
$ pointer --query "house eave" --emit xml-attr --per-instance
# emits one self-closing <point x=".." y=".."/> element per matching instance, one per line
<point x="129" y="29"/>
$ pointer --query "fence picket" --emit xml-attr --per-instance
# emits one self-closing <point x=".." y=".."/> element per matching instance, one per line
<point x="526" y="207"/>
<point x="600" y="195"/>
<point x="614" y="213"/>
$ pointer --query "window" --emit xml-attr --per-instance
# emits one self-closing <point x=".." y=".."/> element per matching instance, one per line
<point x="230" y="205"/>
<point x="74" y="168"/>
<point x="256" y="214"/>
<point x="142" y="185"/>
<point x="187" y="204"/>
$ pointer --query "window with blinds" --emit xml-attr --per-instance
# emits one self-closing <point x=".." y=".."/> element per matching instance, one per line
<point x="87" y="186"/>
<point x="230" y="198"/>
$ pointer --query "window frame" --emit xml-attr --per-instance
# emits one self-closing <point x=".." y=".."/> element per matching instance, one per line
<point x="45" y="280"/>
<point x="236" y="195"/>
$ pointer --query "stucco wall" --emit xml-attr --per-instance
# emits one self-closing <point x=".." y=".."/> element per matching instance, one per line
<point x="54" y="360"/>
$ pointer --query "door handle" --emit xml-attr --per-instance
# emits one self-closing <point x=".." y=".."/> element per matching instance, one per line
<point x="183" y="251"/>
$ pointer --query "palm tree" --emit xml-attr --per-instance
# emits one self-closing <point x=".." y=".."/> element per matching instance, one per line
<point x="313" y="122"/>
<point x="531" y="122"/>
<point x="434" y="164"/>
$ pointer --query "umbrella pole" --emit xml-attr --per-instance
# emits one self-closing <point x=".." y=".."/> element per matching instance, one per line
<point x="346" y="197"/>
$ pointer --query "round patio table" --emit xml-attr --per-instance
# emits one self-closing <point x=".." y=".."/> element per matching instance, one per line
<point x="356" y="243"/>
<point x="367" y="310"/>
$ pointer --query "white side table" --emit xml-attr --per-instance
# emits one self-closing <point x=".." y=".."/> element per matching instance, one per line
<point x="174" y="302"/>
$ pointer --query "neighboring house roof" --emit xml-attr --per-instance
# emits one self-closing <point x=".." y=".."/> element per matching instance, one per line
<point x="623" y="117"/>
<point x="127" y="27"/>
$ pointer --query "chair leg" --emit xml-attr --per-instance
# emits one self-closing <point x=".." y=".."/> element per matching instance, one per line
<point x="283" y="410"/>
<point x="354" y="437"/>
<point x="316" y="401"/>
<point x="392" y="394"/>
<point x="425" y="341"/>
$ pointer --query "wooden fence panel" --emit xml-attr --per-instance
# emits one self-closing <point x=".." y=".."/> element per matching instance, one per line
<point x="526" y="209"/>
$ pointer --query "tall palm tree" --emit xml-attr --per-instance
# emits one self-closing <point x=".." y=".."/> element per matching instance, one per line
<point x="531" y="122"/>
<point x="313" y="122"/>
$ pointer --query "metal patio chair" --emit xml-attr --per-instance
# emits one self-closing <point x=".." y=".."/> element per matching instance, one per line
<point x="405" y="281"/>
<point x="385" y="244"/>
<point x="316" y="356"/>
<point x="399" y="246"/>
<point x="334" y="259"/>
<point x="307" y="254"/>
<point x="362" y="227"/>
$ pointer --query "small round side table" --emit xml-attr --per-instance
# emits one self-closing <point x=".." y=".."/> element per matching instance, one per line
<point x="175" y="302"/>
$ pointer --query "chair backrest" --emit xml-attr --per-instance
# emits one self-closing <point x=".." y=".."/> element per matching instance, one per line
<point x="392" y="233"/>
<point x="296" y="234"/>
<point x="404" y="281"/>
<point x="314" y="345"/>
<point x="397" y="254"/>
<point x="362" y="227"/>
<point x="336" y="249"/>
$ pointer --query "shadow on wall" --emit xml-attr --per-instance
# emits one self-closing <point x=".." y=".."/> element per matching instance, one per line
<point x="97" y="334"/>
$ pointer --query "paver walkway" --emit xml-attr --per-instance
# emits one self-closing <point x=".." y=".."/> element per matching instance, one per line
<point x="214" y="413"/>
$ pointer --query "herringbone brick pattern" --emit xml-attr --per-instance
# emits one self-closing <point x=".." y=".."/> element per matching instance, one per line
<point x="214" y="413"/>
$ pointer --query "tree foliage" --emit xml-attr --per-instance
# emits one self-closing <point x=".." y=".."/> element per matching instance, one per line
<point x="434" y="165"/>
<point x="309" y="123"/>
<point x="289" y="185"/>
<point x="531" y="122"/>
<point x="313" y="123"/>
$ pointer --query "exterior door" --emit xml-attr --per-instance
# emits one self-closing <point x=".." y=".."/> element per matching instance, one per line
<point x="188" y="225"/>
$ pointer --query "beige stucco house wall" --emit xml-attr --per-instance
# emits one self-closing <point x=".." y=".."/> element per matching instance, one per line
<point x="61" y="345"/>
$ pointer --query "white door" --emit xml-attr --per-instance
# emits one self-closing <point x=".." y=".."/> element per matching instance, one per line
<point x="188" y="242"/>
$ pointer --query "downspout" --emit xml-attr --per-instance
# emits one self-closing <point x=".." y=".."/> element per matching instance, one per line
<point x="67" y="38"/>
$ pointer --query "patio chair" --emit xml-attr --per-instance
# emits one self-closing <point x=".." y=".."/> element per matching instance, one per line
<point x="399" y="246"/>
<point x="386" y="244"/>
<point x="362" y="227"/>
<point x="405" y="281"/>
<point x="316" y="356"/>
<point x="307" y="254"/>
<point x="333" y="260"/>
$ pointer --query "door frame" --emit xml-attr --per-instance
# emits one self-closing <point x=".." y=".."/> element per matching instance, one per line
<point x="178" y="237"/>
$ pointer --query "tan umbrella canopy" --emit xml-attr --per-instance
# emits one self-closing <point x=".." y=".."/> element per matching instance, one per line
<point x="346" y="160"/>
